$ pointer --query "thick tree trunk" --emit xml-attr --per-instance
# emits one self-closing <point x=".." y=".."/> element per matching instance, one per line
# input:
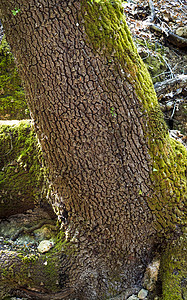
<point x="114" y="174"/>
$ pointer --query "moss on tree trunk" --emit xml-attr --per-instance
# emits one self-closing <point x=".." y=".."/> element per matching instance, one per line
<point x="21" y="169"/>
<point x="174" y="269"/>
<point x="12" y="97"/>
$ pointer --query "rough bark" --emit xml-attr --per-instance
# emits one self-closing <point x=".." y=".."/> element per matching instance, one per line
<point x="115" y="177"/>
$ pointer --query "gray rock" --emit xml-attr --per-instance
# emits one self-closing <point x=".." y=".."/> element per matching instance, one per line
<point x="45" y="246"/>
<point x="142" y="294"/>
<point x="133" y="297"/>
<point x="182" y="31"/>
<point x="151" y="275"/>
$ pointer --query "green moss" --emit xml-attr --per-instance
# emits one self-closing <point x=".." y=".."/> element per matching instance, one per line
<point x="152" y="55"/>
<point x="169" y="181"/>
<point x="155" y="65"/>
<point x="12" y="97"/>
<point x="33" y="271"/>
<point x="174" y="270"/>
<point x="108" y="33"/>
<point x="21" y="175"/>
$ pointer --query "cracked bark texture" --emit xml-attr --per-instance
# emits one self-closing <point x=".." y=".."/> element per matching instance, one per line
<point x="91" y="112"/>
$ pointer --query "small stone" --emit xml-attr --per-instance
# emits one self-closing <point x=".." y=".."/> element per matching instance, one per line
<point x="169" y="105"/>
<point x="182" y="31"/>
<point x="133" y="297"/>
<point x="151" y="275"/>
<point x="142" y="294"/>
<point x="45" y="246"/>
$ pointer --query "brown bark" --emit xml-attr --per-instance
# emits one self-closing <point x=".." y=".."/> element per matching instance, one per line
<point x="91" y="124"/>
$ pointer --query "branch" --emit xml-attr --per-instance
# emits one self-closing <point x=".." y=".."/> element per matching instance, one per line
<point x="169" y="85"/>
<point x="152" y="16"/>
<point x="173" y="38"/>
<point x="31" y="229"/>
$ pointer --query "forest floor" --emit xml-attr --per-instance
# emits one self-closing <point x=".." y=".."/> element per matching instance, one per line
<point x="165" y="61"/>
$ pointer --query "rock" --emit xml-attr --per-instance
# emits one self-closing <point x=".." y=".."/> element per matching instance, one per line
<point x="43" y="233"/>
<point x="182" y="31"/>
<point x="45" y="246"/>
<point x="155" y="64"/>
<point x="151" y="274"/>
<point x="133" y="297"/>
<point x="142" y="294"/>
<point x="169" y="105"/>
<point x="126" y="294"/>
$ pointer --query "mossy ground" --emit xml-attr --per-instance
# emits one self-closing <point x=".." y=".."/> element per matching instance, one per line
<point x="152" y="55"/>
<point x="12" y="97"/>
<point x="21" y="169"/>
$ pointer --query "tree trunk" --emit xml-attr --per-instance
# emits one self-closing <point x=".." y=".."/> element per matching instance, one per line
<point x="117" y="181"/>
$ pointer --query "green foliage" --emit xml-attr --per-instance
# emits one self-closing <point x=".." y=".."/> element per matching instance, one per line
<point x="12" y="97"/>
<point x="113" y="112"/>
<point x="16" y="11"/>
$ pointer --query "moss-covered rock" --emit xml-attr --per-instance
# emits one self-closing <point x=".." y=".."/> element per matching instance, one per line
<point x="155" y="65"/>
<point x="153" y="57"/>
<point x="21" y="171"/>
<point x="12" y="97"/>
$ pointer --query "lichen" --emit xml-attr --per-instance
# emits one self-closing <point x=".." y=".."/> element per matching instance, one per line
<point x="12" y="96"/>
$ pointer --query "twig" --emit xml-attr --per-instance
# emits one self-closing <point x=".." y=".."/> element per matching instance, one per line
<point x="168" y="85"/>
<point x="176" y="104"/>
<point x="183" y="5"/>
<point x="161" y="74"/>
<point x="152" y="16"/>
<point x="171" y="72"/>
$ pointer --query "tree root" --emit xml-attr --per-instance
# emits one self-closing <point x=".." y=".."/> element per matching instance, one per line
<point x="31" y="229"/>
<point x="26" y="275"/>
<point x="29" y="294"/>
